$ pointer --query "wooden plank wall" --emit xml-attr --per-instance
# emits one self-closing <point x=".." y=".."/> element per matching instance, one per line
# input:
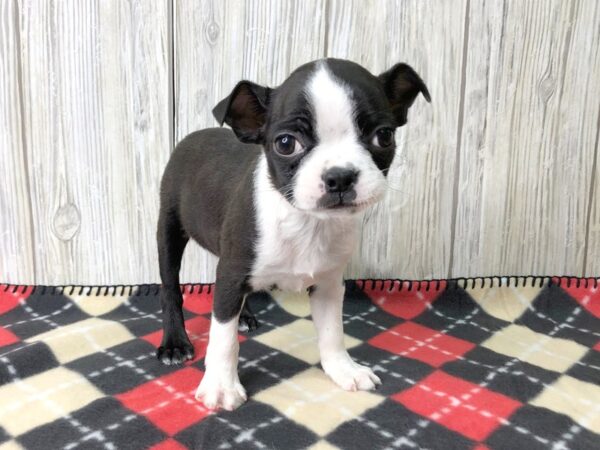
<point x="219" y="43"/>
<point x="94" y="104"/>
<point x="498" y="175"/>
<point x="532" y="86"/>
<point x="410" y="233"/>
<point x="16" y="226"/>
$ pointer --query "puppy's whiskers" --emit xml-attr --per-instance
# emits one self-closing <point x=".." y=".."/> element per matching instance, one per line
<point x="395" y="189"/>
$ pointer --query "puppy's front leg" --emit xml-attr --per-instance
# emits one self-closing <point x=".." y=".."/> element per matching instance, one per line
<point x="220" y="387"/>
<point x="326" y="301"/>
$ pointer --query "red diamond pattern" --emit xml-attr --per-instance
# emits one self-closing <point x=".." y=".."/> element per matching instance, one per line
<point x="6" y="337"/>
<point x="169" y="444"/>
<point x="404" y="303"/>
<point x="459" y="405"/>
<point x="198" y="302"/>
<point x="168" y="402"/>
<point x="10" y="299"/>
<point x="424" y="344"/>
<point x="588" y="297"/>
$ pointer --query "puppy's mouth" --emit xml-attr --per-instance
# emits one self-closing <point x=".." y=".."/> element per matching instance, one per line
<point x="343" y="204"/>
<point x="338" y="200"/>
<point x="357" y="206"/>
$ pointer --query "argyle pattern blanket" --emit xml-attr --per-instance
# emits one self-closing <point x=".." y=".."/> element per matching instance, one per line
<point x="464" y="365"/>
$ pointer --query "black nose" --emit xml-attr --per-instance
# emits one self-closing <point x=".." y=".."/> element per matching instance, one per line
<point x="338" y="179"/>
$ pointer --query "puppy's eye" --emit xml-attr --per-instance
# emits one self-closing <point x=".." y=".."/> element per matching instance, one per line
<point x="384" y="137"/>
<point x="287" y="145"/>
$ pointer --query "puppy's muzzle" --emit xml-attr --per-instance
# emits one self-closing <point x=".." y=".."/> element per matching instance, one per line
<point x="338" y="179"/>
<point x="339" y="186"/>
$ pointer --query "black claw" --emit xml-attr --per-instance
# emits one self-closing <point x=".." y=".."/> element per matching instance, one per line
<point x="177" y="357"/>
<point x="248" y="323"/>
<point x="175" y="351"/>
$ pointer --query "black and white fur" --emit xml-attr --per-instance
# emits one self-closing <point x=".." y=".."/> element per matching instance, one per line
<point x="278" y="198"/>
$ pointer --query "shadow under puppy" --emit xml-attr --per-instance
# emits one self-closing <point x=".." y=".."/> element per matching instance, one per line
<point x="279" y="199"/>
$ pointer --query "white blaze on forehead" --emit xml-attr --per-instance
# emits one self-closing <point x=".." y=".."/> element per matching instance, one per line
<point x="338" y="144"/>
<point x="332" y="105"/>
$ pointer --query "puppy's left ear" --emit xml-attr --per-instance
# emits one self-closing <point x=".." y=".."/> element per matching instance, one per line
<point x="245" y="111"/>
<point x="401" y="85"/>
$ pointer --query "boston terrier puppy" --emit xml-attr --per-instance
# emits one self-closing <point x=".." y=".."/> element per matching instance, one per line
<point x="278" y="198"/>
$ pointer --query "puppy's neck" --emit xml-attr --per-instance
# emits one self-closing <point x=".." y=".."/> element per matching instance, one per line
<point x="294" y="248"/>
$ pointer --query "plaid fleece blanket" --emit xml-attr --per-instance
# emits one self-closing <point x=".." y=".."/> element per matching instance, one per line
<point x="464" y="365"/>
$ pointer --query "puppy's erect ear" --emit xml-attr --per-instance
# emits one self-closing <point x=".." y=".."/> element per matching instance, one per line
<point x="245" y="111"/>
<point x="402" y="85"/>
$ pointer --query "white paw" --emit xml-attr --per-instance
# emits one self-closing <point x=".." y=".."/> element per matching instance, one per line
<point x="221" y="392"/>
<point x="349" y="375"/>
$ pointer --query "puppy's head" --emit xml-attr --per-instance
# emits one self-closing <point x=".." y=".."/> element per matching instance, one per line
<point x="327" y="131"/>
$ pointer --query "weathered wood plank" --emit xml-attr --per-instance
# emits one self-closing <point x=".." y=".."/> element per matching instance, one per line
<point x="591" y="266"/>
<point x="408" y="235"/>
<point x="220" y="43"/>
<point x="592" y="20"/>
<point x="96" y="95"/>
<point x="16" y="246"/>
<point x="531" y="115"/>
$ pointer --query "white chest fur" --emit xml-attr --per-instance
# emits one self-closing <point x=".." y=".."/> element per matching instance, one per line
<point x="295" y="248"/>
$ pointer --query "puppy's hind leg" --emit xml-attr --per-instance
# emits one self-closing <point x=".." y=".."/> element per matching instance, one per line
<point x="175" y="347"/>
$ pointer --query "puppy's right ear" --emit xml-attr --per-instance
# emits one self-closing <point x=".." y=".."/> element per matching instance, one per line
<point x="245" y="111"/>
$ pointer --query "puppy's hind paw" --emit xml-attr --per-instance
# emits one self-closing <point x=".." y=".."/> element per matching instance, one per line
<point x="247" y="323"/>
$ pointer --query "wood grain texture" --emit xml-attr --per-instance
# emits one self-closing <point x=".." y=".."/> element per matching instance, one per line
<point x="16" y="245"/>
<point x="499" y="175"/>
<point x="220" y="43"/>
<point x="592" y="256"/>
<point x="409" y="234"/>
<point x="96" y="100"/>
<point x="531" y="117"/>
<point x="592" y="19"/>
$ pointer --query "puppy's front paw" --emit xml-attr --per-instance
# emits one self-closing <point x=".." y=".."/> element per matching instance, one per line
<point x="175" y="350"/>
<point x="349" y="375"/>
<point x="216" y="392"/>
